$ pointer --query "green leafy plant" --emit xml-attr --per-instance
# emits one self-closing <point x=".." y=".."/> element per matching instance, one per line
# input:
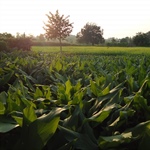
<point x="76" y="102"/>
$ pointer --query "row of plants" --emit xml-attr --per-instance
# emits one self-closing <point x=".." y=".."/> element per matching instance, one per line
<point x="85" y="102"/>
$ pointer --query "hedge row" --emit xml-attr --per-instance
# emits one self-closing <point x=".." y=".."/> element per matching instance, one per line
<point x="21" y="43"/>
<point x="35" y="43"/>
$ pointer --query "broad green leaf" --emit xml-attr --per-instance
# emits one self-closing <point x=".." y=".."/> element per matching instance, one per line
<point x="103" y="114"/>
<point x="58" y="65"/>
<point x="78" y="99"/>
<point x="29" y="115"/>
<point x="38" y="93"/>
<point x="131" y="70"/>
<point x="106" y="90"/>
<point x="3" y="97"/>
<point x="94" y="88"/>
<point x="68" y="89"/>
<point x="1" y="71"/>
<point x="77" y="87"/>
<point x="41" y="130"/>
<point x="141" y="129"/>
<point x="107" y="142"/>
<point x="143" y="85"/>
<point x="140" y="103"/>
<point x="11" y="105"/>
<point x="6" y="127"/>
<point x="19" y="120"/>
<point x="60" y="77"/>
<point x="2" y="108"/>
<point x="100" y="117"/>
<point x="100" y="80"/>
<point x="48" y="94"/>
<point x="118" y="87"/>
<point x="27" y="76"/>
<point x="28" y="103"/>
<point x="7" y="124"/>
<point x="5" y="79"/>
<point x="81" y="141"/>
<point x="72" y="120"/>
<point x="122" y="118"/>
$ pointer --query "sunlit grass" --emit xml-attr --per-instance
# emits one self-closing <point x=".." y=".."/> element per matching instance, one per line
<point x="94" y="49"/>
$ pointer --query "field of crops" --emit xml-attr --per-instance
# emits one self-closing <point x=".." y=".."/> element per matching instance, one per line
<point x="74" y="101"/>
<point x="95" y="50"/>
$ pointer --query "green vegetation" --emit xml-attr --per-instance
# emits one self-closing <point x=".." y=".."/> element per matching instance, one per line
<point x="95" y="50"/>
<point x="142" y="39"/>
<point x="90" y="33"/>
<point x="8" y="42"/>
<point x="75" y="101"/>
<point x="3" y="46"/>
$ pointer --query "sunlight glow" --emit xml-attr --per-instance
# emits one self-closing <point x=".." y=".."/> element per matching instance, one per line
<point x="118" y="18"/>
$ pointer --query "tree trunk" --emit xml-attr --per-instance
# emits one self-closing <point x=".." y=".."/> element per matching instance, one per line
<point x="60" y="45"/>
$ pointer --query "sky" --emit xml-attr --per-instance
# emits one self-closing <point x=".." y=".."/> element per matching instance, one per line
<point x="118" y="18"/>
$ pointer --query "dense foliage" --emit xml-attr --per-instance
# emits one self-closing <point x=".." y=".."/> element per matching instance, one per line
<point x="123" y="42"/>
<point x="85" y="102"/>
<point x="90" y="33"/>
<point x="9" y="42"/>
<point x="142" y="39"/>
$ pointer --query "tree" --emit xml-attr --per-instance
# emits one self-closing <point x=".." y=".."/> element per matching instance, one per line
<point x="126" y="41"/>
<point x="6" y="35"/>
<point x="141" y="39"/>
<point x="57" y="27"/>
<point x="90" y="33"/>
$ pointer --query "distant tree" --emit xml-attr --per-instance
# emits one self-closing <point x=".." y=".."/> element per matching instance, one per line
<point x="41" y="37"/>
<point x="90" y="33"/>
<point x="6" y="35"/>
<point x="71" y="39"/>
<point x="112" y="41"/>
<point x="141" y="39"/>
<point x="127" y="41"/>
<point x="20" y="42"/>
<point x="57" y="27"/>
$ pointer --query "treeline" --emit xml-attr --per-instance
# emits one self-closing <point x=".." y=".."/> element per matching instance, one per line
<point x="140" y="39"/>
<point x="23" y="42"/>
<point x="124" y="42"/>
<point x="35" y="43"/>
<point x="9" y="42"/>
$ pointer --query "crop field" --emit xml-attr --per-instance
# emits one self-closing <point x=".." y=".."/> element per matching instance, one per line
<point x="75" y="101"/>
<point x="95" y="50"/>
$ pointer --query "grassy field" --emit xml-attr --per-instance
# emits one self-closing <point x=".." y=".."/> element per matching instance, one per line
<point x="95" y="50"/>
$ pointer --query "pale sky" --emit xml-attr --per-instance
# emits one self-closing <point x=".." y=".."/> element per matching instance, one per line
<point x="118" y="18"/>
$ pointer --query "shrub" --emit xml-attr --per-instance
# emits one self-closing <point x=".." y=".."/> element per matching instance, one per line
<point x="22" y="43"/>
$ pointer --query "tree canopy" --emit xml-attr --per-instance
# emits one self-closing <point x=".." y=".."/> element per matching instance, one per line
<point x="142" y="39"/>
<point x="57" y="27"/>
<point x="90" y="33"/>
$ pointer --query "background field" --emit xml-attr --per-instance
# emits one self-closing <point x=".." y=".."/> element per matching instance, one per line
<point x="95" y="49"/>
